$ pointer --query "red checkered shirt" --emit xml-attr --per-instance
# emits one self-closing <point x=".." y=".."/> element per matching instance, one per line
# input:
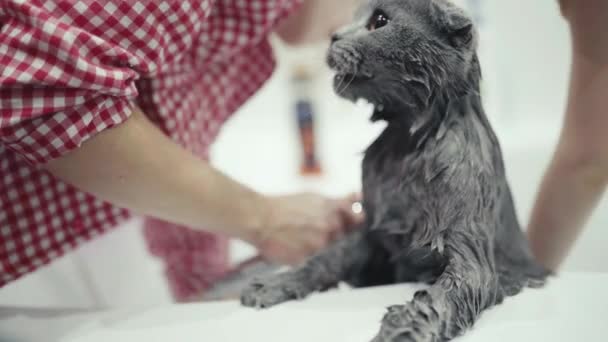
<point x="70" y="69"/>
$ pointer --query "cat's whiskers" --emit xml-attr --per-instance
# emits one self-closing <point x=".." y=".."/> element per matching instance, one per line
<point x="342" y="77"/>
<point x="351" y="80"/>
<point x="354" y="75"/>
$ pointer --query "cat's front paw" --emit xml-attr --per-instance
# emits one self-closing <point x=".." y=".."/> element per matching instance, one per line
<point x="399" y="325"/>
<point x="264" y="293"/>
<point x="405" y="336"/>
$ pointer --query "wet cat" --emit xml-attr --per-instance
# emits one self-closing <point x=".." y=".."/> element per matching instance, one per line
<point x="437" y="202"/>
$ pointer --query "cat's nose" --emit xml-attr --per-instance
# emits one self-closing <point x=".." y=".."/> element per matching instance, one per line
<point x="335" y="37"/>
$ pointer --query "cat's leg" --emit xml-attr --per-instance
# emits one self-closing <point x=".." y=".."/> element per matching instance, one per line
<point x="321" y="272"/>
<point x="515" y="263"/>
<point x="468" y="285"/>
<point x="515" y="274"/>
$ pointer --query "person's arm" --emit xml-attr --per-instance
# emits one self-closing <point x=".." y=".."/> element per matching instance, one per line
<point x="135" y="166"/>
<point x="70" y="110"/>
<point x="578" y="174"/>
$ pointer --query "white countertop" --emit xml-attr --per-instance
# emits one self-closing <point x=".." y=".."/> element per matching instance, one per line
<point x="572" y="307"/>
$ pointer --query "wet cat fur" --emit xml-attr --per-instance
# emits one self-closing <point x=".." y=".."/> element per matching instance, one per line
<point x="437" y="202"/>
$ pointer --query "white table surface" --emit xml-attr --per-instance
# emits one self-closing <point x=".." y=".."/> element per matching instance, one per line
<point x="573" y="307"/>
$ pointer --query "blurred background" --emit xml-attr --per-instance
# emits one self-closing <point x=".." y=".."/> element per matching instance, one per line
<point x="525" y="57"/>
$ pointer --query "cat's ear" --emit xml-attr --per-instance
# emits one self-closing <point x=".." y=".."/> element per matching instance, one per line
<point x="454" y="22"/>
<point x="462" y="36"/>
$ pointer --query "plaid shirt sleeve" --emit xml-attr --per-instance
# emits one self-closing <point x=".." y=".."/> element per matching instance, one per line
<point x="68" y="70"/>
<point x="59" y="84"/>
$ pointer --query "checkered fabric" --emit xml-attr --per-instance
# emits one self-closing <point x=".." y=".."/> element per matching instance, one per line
<point x="70" y="69"/>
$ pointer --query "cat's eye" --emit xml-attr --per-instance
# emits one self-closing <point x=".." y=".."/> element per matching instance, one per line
<point x="378" y="20"/>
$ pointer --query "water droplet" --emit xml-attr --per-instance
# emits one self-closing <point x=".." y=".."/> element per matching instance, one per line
<point x="357" y="208"/>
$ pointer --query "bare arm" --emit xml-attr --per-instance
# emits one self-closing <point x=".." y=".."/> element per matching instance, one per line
<point x="135" y="166"/>
<point x="578" y="174"/>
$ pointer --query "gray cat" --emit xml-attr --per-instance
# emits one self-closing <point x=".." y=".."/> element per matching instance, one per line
<point x="438" y="206"/>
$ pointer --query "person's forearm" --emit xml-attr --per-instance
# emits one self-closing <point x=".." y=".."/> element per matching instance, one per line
<point x="578" y="174"/>
<point x="567" y="197"/>
<point x="136" y="167"/>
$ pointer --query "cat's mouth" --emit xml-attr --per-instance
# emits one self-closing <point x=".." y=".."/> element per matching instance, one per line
<point x="345" y="80"/>
<point x="340" y="76"/>
<point x="346" y="63"/>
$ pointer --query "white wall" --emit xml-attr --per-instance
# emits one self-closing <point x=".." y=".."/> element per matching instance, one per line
<point x="533" y="56"/>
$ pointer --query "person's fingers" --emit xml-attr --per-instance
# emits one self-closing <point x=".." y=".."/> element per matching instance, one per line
<point x="564" y="6"/>
<point x="309" y="249"/>
<point x="337" y="227"/>
<point x="301" y="255"/>
<point x="355" y="197"/>
<point x="313" y="227"/>
<point x="334" y="219"/>
<point x="293" y="259"/>
<point x="330" y="230"/>
<point x="286" y="255"/>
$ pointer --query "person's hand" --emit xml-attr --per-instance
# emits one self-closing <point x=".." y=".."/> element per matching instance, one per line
<point x="300" y="225"/>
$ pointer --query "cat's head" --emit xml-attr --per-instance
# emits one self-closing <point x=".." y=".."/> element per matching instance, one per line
<point x="400" y="54"/>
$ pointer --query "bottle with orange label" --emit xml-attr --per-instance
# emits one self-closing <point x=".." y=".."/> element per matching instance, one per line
<point x="305" y="118"/>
